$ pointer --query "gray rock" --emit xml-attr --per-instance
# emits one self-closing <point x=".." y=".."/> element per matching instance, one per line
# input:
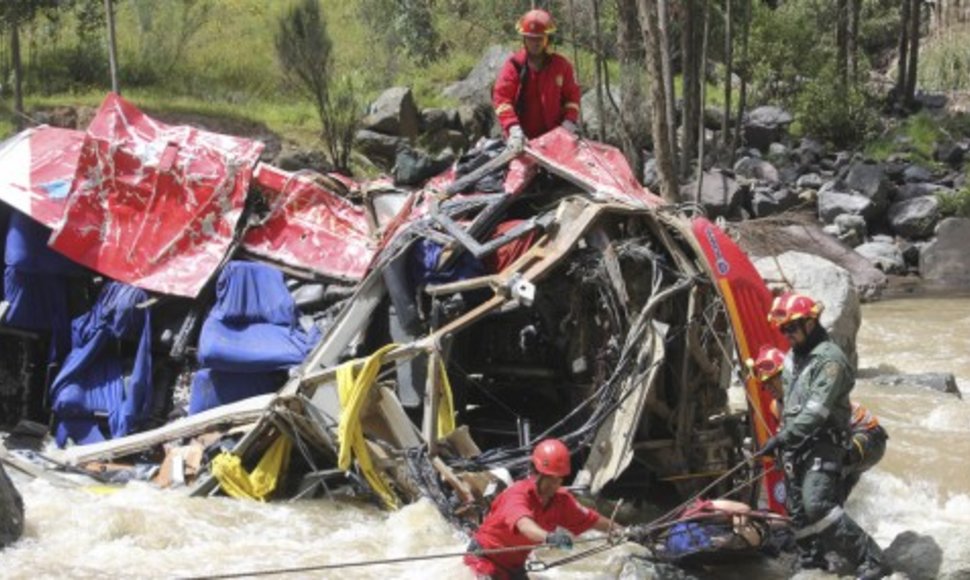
<point x="809" y="181"/>
<point x="885" y="256"/>
<point x="291" y="159"/>
<point x="871" y="181"/>
<point x="941" y="382"/>
<point x="810" y="151"/>
<point x="476" y="88"/>
<point x="720" y="194"/>
<point x="916" y="555"/>
<point x="394" y="113"/>
<point x="433" y="120"/>
<point x="766" y="125"/>
<point x="445" y="138"/>
<point x="767" y="201"/>
<point x="651" y="179"/>
<point x="378" y="147"/>
<point x="777" y="150"/>
<point x="916" y="174"/>
<point x="826" y="282"/>
<point x="945" y="261"/>
<point x="11" y="511"/>
<point x="915" y="190"/>
<point x="478" y="121"/>
<point x="832" y="204"/>
<point x="756" y="169"/>
<point x="851" y="229"/>
<point x="950" y="153"/>
<point x="915" y="218"/>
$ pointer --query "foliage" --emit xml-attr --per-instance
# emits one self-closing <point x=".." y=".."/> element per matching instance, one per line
<point x="786" y="47"/>
<point x="955" y="204"/>
<point x="305" y="52"/>
<point x="841" y="116"/>
<point x="917" y="134"/>
<point x="945" y="61"/>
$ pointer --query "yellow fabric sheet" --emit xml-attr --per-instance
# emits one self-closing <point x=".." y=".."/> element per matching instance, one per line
<point x="235" y="481"/>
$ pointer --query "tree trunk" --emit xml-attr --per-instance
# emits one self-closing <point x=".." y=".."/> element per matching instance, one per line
<point x="689" y="59"/>
<point x="728" y="72"/>
<point x="701" y="130"/>
<point x="842" y="44"/>
<point x="666" y="65"/>
<point x="112" y="45"/>
<point x="633" y="113"/>
<point x="18" y="72"/>
<point x="852" y="47"/>
<point x="661" y="141"/>
<point x="743" y="93"/>
<point x="600" y="61"/>
<point x="914" y="26"/>
<point x="903" y="62"/>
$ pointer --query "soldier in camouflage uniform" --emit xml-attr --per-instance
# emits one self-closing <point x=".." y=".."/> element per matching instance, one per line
<point x="814" y="439"/>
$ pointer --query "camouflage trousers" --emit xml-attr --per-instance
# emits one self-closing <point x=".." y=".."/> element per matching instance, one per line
<point x="814" y="497"/>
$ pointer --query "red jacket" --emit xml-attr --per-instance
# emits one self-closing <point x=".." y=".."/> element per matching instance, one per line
<point x="519" y="501"/>
<point x="551" y="95"/>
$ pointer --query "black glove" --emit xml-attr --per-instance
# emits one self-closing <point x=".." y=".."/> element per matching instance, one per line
<point x="559" y="539"/>
<point x="769" y="447"/>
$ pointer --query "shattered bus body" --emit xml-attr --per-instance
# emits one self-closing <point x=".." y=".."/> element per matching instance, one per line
<point x="343" y="338"/>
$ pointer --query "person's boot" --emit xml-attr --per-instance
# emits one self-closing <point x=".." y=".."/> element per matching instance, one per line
<point x="873" y="570"/>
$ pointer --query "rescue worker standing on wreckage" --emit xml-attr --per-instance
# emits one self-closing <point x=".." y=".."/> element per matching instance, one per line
<point x="813" y="440"/>
<point x="530" y="513"/>
<point x="536" y="90"/>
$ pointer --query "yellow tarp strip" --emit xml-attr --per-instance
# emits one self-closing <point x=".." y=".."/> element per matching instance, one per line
<point x="446" y="406"/>
<point x="353" y="388"/>
<point x="228" y="470"/>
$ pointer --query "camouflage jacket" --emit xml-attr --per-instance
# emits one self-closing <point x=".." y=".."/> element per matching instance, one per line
<point x="817" y="388"/>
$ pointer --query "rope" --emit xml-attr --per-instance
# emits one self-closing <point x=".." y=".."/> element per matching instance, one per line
<point x="383" y="561"/>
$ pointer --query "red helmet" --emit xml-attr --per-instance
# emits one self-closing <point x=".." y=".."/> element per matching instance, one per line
<point x="536" y="23"/>
<point x="551" y="457"/>
<point x="791" y="306"/>
<point x="768" y="364"/>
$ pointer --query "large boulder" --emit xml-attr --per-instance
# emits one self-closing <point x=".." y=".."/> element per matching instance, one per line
<point x="720" y="194"/>
<point x="917" y="556"/>
<point x="915" y="190"/>
<point x="884" y="255"/>
<point x="11" y="511"/>
<point x="757" y="169"/>
<point x="760" y="239"/>
<point x="832" y="204"/>
<point x="766" y="125"/>
<point x="394" y="113"/>
<point x="915" y="218"/>
<point x="381" y="149"/>
<point x="767" y="201"/>
<point x="940" y="382"/>
<point x="824" y="281"/>
<point x="871" y="181"/>
<point x="945" y="261"/>
<point x="476" y="88"/>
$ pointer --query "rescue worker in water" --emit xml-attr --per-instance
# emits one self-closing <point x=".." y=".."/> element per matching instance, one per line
<point x="536" y="89"/>
<point x="813" y="439"/>
<point x="868" y="438"/>
<point x="532" y="512"/>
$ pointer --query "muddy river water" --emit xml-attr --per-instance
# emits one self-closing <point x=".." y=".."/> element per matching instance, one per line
<point x="922" y="484"/>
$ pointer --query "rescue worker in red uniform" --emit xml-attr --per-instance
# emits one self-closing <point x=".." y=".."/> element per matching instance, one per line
<point x="532" y="512"/>
<point x="536" y="90"/>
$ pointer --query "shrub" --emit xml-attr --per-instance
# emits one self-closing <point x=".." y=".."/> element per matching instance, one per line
<point x="843" y="117"/>
<point x="955" y="204"/>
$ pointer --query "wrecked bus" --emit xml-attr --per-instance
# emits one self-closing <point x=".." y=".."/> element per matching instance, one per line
<point x="241" y="329"/>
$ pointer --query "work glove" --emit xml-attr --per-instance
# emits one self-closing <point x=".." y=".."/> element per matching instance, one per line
<point x="559" y="539"/>
<point x="772" y="444"/>
<point x="516" y="140"/>
<point x="570" y="126"/>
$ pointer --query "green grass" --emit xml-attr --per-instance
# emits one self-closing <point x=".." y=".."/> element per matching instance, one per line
<point x="917" y="136"/>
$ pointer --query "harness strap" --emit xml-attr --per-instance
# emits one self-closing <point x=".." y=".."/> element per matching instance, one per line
<point x="821" y="525"/>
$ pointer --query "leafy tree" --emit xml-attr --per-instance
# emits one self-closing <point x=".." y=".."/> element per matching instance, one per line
<point x="13" y="14"/>
<point x="305" y="52"/>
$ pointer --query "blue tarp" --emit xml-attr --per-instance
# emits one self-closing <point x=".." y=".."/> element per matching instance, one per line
<point x="252" y="330"/>
<point x="214" y="388"/>
<point x="35" y="283"/>
<point x="92" y="382"/>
